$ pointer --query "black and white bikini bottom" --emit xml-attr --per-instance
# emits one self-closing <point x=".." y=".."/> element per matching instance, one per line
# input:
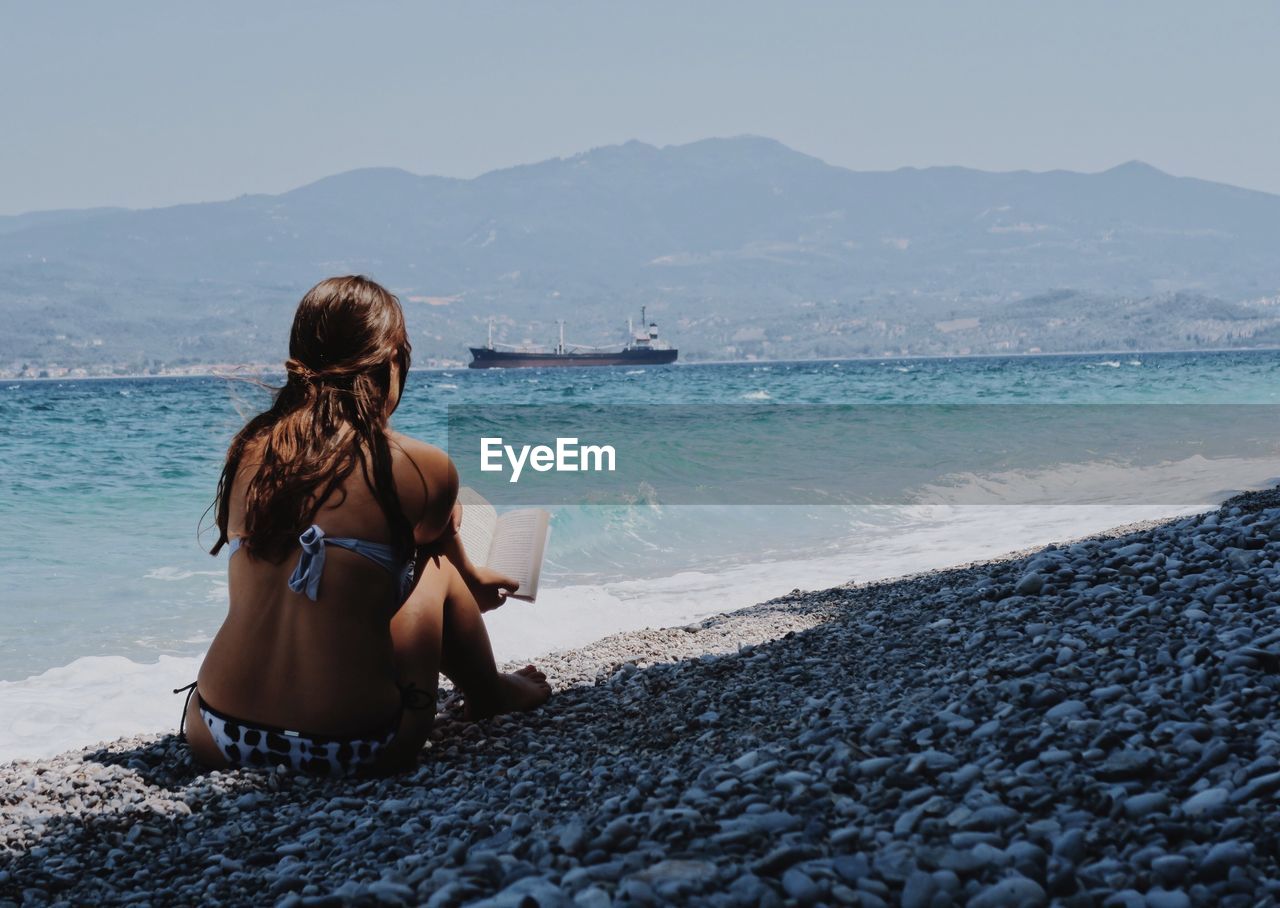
<point x="255" y="746"/>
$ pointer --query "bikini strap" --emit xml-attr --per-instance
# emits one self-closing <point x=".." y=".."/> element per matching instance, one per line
<point x="306" y="576"/>
<point x="186" y="704"/>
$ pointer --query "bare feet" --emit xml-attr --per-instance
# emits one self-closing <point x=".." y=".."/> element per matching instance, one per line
<point x="518" y="691"/>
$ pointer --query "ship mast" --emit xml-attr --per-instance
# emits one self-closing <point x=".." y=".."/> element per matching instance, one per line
<point x="490" y="334"/>
<point x="560" y="348"/>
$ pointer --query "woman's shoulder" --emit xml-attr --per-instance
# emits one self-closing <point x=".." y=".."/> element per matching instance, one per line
<point x="439" y="480"/>
<point x="430" y="462"/>
<point x="426" y="457"/>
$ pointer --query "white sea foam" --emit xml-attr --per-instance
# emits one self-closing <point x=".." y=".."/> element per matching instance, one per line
<point x="757" y="395"/>
<point x="173" y="573"/>
<point x="96" y="698"/>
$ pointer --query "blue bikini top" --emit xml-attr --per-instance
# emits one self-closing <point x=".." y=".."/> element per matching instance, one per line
<point x="306" y="576"/>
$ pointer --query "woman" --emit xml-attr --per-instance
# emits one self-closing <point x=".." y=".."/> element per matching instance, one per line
<point x="350" y="591"/>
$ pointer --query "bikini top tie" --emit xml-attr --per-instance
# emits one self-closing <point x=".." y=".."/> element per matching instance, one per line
<point x="306" y="574"/>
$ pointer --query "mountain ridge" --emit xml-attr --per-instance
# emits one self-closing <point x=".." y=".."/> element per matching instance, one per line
<point x="743" y="246"/>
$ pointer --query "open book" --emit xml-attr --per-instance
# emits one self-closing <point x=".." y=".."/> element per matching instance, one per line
<point x="512" y="544"/>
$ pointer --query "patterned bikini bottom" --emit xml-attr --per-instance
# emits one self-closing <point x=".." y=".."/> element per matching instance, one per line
<point x="255" y="746"/>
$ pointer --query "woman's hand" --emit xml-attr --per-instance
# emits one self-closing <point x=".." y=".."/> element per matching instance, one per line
<point x="489" y="587"/>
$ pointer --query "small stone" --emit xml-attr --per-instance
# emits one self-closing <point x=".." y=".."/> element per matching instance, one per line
<point x="749" y="889"/>
<point x="783" y="857"/>
<point x="391" y="892"/>
<point x="1070" y="845"/>
<point x="593" y="897"/>
<point x="665" y="874"/>
<point x="918" y="890"/>
<point x="1167" y="898"/>
<point x="1065" y="710"/>
<point x="1124" y="765"/>
<point x="572" y="837"/>
<point x="1206" y="802"/>
<point x="1108" y="693"/>
<point x="798" y="885"/>
<point x="1142" y="805"/>
<point x="1262" y="785"/>
<point x="993" y="816"/>
<point x="1014" y="892"/>
<point x="875" y="766"/>
<point x="1029" y="584"/>
<point x="851" y="867"/>
<point x="1222" y="856"/>
<point x="751" y="825"/>
<point x="1170" y="869"/>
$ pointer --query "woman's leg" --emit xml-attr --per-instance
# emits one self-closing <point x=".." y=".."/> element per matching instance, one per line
<point x="417" y="634"/>
<point x="440" y="629"/>
<point x="200" y="741"/>
<point x="467" y="659"/>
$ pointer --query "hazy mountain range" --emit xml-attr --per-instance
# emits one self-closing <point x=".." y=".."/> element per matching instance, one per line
<point x="740" y="247"/>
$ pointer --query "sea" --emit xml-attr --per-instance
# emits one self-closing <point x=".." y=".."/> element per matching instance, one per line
<point x="109" y="598"/>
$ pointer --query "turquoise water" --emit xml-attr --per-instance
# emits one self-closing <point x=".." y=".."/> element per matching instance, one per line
<point x="104" y="483"/>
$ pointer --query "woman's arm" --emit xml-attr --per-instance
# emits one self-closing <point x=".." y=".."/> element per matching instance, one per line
<point x="436" y="532"/>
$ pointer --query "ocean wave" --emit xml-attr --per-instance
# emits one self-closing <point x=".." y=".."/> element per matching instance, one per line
<point x="757" y="395"/>
<point x="1196" y="481"/>
<point x="94" y="698"/>
<point x="173" y="573"/>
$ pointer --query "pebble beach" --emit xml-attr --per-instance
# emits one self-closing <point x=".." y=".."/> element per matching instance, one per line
<point x="1094" y="722"/>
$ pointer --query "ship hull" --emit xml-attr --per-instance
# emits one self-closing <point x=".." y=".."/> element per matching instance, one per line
<point x="484" y="358"/>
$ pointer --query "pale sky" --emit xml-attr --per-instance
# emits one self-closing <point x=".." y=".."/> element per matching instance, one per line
<point x="154" y="103"/>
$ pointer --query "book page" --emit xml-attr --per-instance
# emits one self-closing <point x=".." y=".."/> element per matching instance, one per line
<point x="479" y="523"/>
<point x="519" y="543"/>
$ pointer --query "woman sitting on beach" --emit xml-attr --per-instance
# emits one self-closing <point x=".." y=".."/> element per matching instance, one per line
<point x="349" y="589"/>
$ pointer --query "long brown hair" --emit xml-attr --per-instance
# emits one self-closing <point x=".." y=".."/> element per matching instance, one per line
<point x="329" y="418"/>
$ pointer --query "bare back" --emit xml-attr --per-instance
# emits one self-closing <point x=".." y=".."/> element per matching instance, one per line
<point x="323" y="666"/>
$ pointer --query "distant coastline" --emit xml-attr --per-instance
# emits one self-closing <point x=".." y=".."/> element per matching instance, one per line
<point x="254" y="369"/>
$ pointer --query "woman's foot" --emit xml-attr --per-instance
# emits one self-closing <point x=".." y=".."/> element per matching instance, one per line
<point x="518" y="691"/>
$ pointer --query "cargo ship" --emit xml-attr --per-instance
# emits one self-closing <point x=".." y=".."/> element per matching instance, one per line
<point x="642" y="349"/>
